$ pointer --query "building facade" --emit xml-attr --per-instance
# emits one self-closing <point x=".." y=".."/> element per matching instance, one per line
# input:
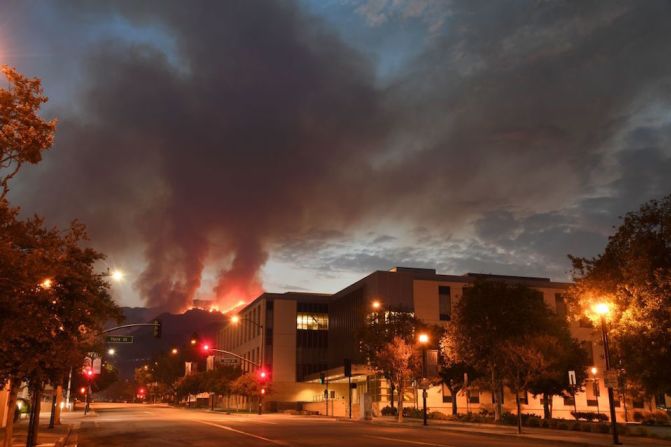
<point x="308" y="338"/>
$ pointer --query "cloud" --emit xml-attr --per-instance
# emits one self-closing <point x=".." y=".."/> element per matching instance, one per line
<point x="216" y="136"/>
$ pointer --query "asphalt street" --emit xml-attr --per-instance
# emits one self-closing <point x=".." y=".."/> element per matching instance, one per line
<point x="146" y="425"/>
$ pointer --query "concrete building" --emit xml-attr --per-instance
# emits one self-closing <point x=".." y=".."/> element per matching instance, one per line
<point x="307" y="335"/>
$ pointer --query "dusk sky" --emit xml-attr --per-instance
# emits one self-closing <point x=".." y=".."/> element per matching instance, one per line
<point x="222" y="148"/>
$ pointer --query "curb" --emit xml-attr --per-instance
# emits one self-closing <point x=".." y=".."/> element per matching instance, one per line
<point x="487" y="434"/>
<point x="62" y="441"/>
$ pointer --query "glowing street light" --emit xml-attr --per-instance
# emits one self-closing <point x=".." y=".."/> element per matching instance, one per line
<point x="376" y="304"/>
<point x="235" y="319"/>
<point x="594" y="370"/>
<point x="47" y="283"/>
<point x="111" y="351"/>
<point x="602" y="309"/>
<point x="174" y="351"/>
<point x="423" y="338"/>
<point x="117" y="275"/>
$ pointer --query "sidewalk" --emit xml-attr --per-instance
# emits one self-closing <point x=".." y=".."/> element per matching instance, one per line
<point x="59" y="436"/>
<point x="542" y="434"/>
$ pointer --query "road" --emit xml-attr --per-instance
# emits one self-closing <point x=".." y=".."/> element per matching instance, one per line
<point x="147" y="425"/>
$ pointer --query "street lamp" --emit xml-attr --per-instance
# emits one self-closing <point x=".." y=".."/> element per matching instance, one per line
<point x="603" y="309"/>
<point x="117" y="275"/>
<point x="423" y="339"/>
<point x="376" y="305"/>
<point x="174" y="351"/>
<point x="111" y="351"/>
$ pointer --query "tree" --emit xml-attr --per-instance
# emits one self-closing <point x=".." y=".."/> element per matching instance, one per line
<point x="401" y="362"/>
<point x="489" y="314"/>
<point x="453" y="372"/>
<point x="24" y="135"/>
<point x="523" y="361"/>
<point x="634" y="272"/>
<point x="562" y="353"/>
<point x="381" y="328"/>
<point x="249" y="386"/>
<point x="54" y="304"/>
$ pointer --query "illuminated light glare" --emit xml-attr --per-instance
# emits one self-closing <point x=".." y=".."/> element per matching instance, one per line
<point x="594" y="370"/>
<point x="235" y="319"/>
<point x="146" y="367"/>
<point x="602" y="308"/>
<point x="111" y="351"/>
<point x="82" y="390"/>
<point x="423" y="338"/>
<point x="376" y="304"/>
<point x="47" y="283"/>
<point x="174" y="351"/>
<point x="206" y="347"/>
<point x="117" y="275"/>
<point x="19" y="405"/>
<point x="62" y="405"/>
<point x="194" y="341"/>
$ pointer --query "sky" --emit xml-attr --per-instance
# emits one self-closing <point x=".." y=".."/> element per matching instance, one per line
<point x="219" y="149"/>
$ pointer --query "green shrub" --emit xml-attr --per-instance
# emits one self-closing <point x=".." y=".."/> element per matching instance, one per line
<point x="546" y="423"/>
<point x="534" y="422"/>
<point x="656" y="418"/>
<point x="562" y="425"/>
<point x="604" y="428"/>
<point x="508" y="418"/>
<point x="575" y="426"/>
<point x="413" y="413"/>
<point x="439" y="416"/>
<point x="586" y="427"/>
<point x="389" y="411"/>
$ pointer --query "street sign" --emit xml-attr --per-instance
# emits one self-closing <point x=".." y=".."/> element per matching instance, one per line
<point x="230" y="361"/>
<point x="571" y="378"/>
<point x="97" y="365"/>
<point x="119" y="339"/>
<point x="610" y="378"/>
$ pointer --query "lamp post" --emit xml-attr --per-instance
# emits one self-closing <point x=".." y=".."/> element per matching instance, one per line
<point x="423" y="339"/>
<point x="595" y="388"/>
<point x="603" y="309"/>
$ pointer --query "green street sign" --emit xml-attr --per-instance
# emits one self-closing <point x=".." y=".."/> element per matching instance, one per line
<point x="119" y="339"/>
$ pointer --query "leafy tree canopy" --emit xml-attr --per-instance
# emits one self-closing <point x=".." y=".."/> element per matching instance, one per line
<point x="634" y="274"/>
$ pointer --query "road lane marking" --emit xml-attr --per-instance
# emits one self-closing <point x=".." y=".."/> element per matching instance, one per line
<point x="242" y="432"/>
<point x="408" y="442"/>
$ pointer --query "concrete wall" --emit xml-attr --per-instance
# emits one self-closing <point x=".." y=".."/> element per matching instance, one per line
<point x="284" y="341"/>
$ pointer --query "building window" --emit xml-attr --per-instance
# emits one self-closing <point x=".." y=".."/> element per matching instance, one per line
<point x="524" y="398"/>
<point x="560" y="305"/>
<point x="447" y="397"/>
<point x="588" y="348"/>
<point x="312" y="321"/>
<point x="474" y="397"/>
<point x="585" y="322"/>
<point x="569" y="401"/>
<point x="444" y="303"/>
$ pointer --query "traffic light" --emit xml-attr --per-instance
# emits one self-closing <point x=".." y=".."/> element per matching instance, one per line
<point x="157" y="328"/>
<point x="322" y="378"/>
<point x="263" y="376"/>
<point x="88" y="373"/>
<point x="205" y="348"/>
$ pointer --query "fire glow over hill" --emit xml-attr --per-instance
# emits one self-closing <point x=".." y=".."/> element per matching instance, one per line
<point x="211" y="307"/>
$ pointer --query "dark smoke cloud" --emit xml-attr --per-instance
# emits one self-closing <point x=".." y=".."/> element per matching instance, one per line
<point x="251" y="124"/>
